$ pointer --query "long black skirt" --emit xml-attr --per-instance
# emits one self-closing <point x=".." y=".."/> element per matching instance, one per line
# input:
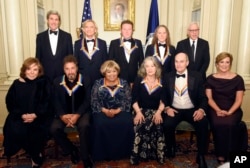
<point x="112" y="138"/>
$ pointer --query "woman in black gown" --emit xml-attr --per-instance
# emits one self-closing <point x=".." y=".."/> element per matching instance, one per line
<point x="225" y="90"/>
<point x="27" y="101"/>
<point x="147" y="94"/>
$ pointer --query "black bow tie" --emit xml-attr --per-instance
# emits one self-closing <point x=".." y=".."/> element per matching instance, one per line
<point x="178" y="75"/>
<point x="51" y="31"/>
<point x="92" y="40"/>
<point x="163" y="45"/>
<point x="127" y="40"/>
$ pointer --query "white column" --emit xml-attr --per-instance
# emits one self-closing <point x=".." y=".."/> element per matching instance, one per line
<point x="14" y="38"/>
<point x="243" y="62"/>
<point x="223" y="26"/>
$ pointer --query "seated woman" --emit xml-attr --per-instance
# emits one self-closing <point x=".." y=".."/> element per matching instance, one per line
<point x="225" y="90"/>
<point x="27" y="102"/>
<point x="147" y="103"/>
<point x="112" y="119"/>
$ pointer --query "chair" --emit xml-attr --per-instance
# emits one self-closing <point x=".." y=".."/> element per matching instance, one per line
<point x="186" y="126"/>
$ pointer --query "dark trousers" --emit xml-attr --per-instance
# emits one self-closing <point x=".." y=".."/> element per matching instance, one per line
<point x="83" y="126"/>
<point x="201" y="128"/>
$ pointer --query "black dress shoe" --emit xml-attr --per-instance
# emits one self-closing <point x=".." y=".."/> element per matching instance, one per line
<point x="75" y="156"/>
<point x="170" y="152"/>
<point x="200" y="160"/>
<point x="88" y="163"/>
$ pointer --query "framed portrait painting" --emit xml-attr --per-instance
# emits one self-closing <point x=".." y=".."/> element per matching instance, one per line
<point x="115" y="11"/>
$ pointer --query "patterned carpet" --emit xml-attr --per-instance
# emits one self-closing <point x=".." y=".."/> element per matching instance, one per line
<point x="185" y="157"/>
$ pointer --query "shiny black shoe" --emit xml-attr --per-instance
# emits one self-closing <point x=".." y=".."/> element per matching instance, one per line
<point x="88" y="163"/>
<point x="170" y="152"/>
<point x="75" y="156"/>
<point x="200" y="160"/>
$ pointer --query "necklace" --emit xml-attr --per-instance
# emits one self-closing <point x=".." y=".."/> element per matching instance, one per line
<point x="151" y="84"/>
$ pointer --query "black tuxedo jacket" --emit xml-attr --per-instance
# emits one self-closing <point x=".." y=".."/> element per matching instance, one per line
<point x="53" y="64"/>
<point x="196" y="89"/>
<point x="117" y="53"/>
<point x="78" y="102"/>
<point x="202" y="55"/>
<point x="90" y="63"/>
<point x="168" y="63"/>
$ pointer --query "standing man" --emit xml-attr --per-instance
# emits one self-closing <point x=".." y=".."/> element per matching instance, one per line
<point x="72" y="107"/>
<point x="197" y="50"/>
<point x="90" y="51"/>
<point x="185" y="99"/>
<point x="52" y="46"/>
<point x="127" y="52"/>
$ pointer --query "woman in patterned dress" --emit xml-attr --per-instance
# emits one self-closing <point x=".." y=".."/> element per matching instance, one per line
<point x="147" y="103"/>
<point x="113" y="132"/>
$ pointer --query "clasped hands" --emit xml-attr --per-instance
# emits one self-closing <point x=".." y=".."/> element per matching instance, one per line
<point x="70" y="119"/>
<point x="223" y="113"/>
<point x="111" y="112"/>
<point x="29" y="117"/>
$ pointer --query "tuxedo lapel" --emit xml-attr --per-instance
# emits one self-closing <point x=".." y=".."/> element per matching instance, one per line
<point x="191" y="83"/>
<point x="47" y="43"/>
<point x="198" y="50"/>
<point x="122" y="54"/>
<point x="172" y="86"/>
<point x="59" y="45"/>
<point x="189" y="49"/>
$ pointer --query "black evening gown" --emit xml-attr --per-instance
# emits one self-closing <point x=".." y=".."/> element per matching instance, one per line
<point x="226" y="130"/>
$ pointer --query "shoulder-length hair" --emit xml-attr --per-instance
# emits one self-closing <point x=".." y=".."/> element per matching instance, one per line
<point x="107" y="65"/>
<point x="26" y="65"/>
<point x="142" y="70"/>
<point x="223" y="55"/>
<point x="92" y="21"/>
<point x="155" y="39"/>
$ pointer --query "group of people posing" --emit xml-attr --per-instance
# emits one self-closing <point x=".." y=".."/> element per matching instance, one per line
<point x="123" y="103"/>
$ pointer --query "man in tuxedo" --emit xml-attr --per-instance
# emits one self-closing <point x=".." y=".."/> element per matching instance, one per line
<point x="90" y="51"/>
<point x="127" y="52"/>
<point x="185" y="99"/>
<point x="52" y="46"/>
<point x="197" y="50"/>
<point x="72" y="107"/>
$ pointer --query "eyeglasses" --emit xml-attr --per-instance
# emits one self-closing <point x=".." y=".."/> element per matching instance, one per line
<point x="194" y="30"/>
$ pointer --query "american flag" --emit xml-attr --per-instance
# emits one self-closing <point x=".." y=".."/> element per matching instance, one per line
<point x="86" y="11"/>
<point x="153" y="20"/>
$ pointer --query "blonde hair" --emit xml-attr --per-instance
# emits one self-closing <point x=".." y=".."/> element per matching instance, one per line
<point x="91" y="21"/>
<point x="107" y="65"/>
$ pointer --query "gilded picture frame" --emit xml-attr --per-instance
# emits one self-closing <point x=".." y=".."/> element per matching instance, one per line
<point x="115" y="11"/>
